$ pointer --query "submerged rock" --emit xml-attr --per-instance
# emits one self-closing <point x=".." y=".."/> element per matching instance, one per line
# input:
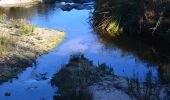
<point x="77" y="1"/>
<point x="69" y="6"/>
<point x="7" y="94"/>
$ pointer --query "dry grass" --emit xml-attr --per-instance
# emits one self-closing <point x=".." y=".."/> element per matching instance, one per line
<point x="21" y="42"/>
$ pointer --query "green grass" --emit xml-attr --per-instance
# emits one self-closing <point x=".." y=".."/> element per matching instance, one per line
<point x="2" y="19"/>
<point x="114" y="29"/>
<point x="4" y="41"/>
<point x="23" y="27"/>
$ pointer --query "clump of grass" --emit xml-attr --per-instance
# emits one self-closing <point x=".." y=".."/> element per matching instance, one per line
<point x="24" y="28"/>
<point x="2" y="18"/>
<point x="4" y="41"/>
<point x="114" y="29"/>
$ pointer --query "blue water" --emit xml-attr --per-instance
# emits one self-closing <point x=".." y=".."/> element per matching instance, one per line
<point x="80" y="38"/>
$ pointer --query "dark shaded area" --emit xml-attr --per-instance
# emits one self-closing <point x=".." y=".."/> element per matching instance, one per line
<point x="139" y="27"/>
<point x="21" y="12"/>
<point x="75" y="77"/>
<point x="149" y="17"/>
<point x="76" y="1"/>
<point x="150" y="50"/>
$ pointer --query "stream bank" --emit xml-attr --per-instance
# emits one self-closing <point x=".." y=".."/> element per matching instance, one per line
<point x="126" y="56"/>
<point x="21" y="43"/>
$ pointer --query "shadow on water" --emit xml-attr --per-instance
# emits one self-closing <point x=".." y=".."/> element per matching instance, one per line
<point x="153" y="51"/>
<point x="129" y="28"/>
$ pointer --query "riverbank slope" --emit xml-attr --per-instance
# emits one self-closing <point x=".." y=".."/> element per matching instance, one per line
<point x="21" y="43"/>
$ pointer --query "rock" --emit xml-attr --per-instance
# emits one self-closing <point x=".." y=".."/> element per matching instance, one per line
<point x="7" y="94"/>
<point x="66" y="7"/>
<point x="69" y="6"/>
<point x="104" y="93"/>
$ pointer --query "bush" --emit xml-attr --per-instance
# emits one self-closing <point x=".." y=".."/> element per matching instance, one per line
<point x="116" y="17"/>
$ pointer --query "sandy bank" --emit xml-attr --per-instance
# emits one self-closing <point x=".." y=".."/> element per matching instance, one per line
<point x="16" y="3"/>
<point x="21" y="44"/>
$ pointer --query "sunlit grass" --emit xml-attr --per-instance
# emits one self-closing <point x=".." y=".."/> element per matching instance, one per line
<point x="2" y="18"/>
<point x="114" y="29"/>
<point x="23" y="27"/>
<point x="5" y="40"/>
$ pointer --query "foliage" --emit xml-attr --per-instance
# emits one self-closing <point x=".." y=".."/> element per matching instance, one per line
<point x="115" y="17"/>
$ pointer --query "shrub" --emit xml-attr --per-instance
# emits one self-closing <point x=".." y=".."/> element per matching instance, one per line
<point x="116" y="17"/>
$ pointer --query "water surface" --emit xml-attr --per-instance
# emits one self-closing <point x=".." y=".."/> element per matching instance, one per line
<point x="127" y="58"/>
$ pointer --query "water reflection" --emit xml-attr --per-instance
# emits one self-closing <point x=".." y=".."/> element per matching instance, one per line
<point x="74" y="79"/>
<point x="153" y="51"/>
<point x="126" y="56"/>
<point x="27" y="12"/>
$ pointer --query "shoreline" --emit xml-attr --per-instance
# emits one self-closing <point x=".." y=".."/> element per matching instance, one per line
<point x="21" y="44"/>
<point x="18" y="3"/>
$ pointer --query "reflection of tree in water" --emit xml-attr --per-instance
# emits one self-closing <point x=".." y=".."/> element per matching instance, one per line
<point x="75" y="77"/>
<point x="18" y="12"/>
<point x="74" y="80"/>
<point x="153" y="51"/>
<point x="24" y="12"/>
<point x="164" y="73"/>
<point x="135" y="18"/>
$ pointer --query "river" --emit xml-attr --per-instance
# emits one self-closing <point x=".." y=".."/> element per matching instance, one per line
<point x="80" y="38"/>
